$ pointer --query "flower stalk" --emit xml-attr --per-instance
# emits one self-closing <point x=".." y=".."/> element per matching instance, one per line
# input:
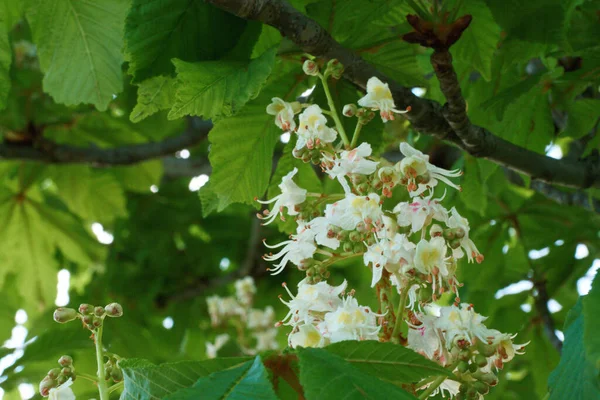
<point x="334" y="113"/>
<point x="102" y="388"/>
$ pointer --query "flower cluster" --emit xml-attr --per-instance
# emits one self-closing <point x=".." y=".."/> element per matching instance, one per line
<point x="413" y="245"/>
<point x="320" y="314"/>
<point x="57" y="382"/>
<point x="237" y="311"/>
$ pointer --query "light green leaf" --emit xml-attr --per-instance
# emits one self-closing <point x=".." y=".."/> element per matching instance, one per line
<point x="94" y="195"/>
<point x="387" y="361"/>
<point x="474" y="190"/>
<point x="478" y="43"/>
<point x="5" y="61"/>
<point x="215" y="89"/>
<point x="144" y="380"/>
<point x="242" y="147"/>
<point x="11" y="12"/>
<point x="499" y="102"/>
<point x="79" y="47"/>
<point x="326" y="376"/>
<point x="154" y="94"/>
<point x="576" y="377"/>
<point x="249" y="380"/>
<point x="139" y="177"/>
<point x="591" y="323"/>
<point x="157" y="31"/>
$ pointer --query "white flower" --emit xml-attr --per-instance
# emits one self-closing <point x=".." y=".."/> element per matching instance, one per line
<point x="62" y="392"/>
<point x="506" y="349"/>
<point x="461" y="323"/>
<point x="212" y="349"/>
<point x="351" y="162"/>
<point x="306" y="335"/>
<point x="245" y="290"/>
<point x="425" y="338"/>
<point x="448" y="385"/>
<point x="284" y="113"/>
<point x="392" y="253"/>
<point x="416" y="164"/>
<point x="221" y="307"/>
<point x="291" y="195"/>
<point x="320" y="226"/>
<point x="420" y="212"/>
<point x="456" y="221"/>
<point x="352" y="210"/>
<point x="350" y="322"/>
<point x="257" y="319"/>
<point x="313" y="129"/>
<point x="266" y="340"/>
<point x="300" y="247"/>
<point x="380" y="98"/>
<point x="311" y="299"/>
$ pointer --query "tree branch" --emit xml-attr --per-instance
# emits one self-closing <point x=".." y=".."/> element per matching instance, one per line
<point x="426" y="116"/>
<point x="541" y="305"/>
<point x="47" y="151"/>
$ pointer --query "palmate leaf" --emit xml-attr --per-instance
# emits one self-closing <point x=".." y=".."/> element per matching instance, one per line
<point x="247" y="381"/>
<point x="79" y="48"/>
<point x="387" y="361"/>
<point x="160" y="30"/>
<point x="213" y="89"/>
<point x="327" y="376"/>
<point x="242" y="145"/>
<point x="31" y="233"/>
<point x="591" y="323"/>
<point x="144" y="380"/>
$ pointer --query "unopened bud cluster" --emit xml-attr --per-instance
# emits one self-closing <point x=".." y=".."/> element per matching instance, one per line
<point x="414" y="245"/>
<point x="237" y="311"/>
<point x="112" y="370"/>
<point x="58" y="379"/>
<point x="91" y="316"/>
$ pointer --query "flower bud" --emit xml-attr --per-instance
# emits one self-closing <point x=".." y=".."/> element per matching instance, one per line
<point x="489" y="378"/>
<point x="486" y="349"/>
<point x="53" y="373"/>
<point x="86" y="308"/>
<point x="472" y="393"/>
<point x="62" y="379"/>
<point x="363" y="188"/>
<point x="358" y="248"/>
<point x="335" y="69"/>
<point x="349" y="110"/>
<point x="435" y="230"/>
<point x="310" y="68"/>
<point x="114" y="310"/>
<point x="355" y="236"/>
<point x="65" y="361"/>
<point x="97" y="322"/>
<point x="454" y="244"/>
<point x="99" y="311"/>
<point x="348" y="247"/>
<point x="462" y="367"/>
<point x="46" y="384"/>
<point x="66" y="371"/>
<point x="63" y="315"/>
<point x="459" y="233"/>
<point x="481" y="387"/>
<point x="473" y="368"/>
<point x="117" y="374"/>
<point x="480" y="360"/>
<point x="88" y="319"/>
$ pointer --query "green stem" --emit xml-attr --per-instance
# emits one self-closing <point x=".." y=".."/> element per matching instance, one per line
<point x="356" y="134"/>
<point x="334" y="114"/>
<point x="432" y="387"/>
<point x="102" y="389"/>
<point x="400" y="315"/>
<point x="87" y="376"/>
<point x="116" y="386"/>
<point x="437" y="382"/>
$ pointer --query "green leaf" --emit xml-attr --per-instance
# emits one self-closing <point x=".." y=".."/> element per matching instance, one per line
<point x="583" y="115"/>
<point x="157" y="31"/>
<point x="215" y="89"/>
<point x="5" y="61"/>
<point x="478" y="43"/>
<point x="94" y="195"/>
<point x="11" y="12"/>
<point x="31" y="233"/>
<point x="327" y="376"/>
<point x="144" y="380"/>
<point x="499" y="102"/>
<point x="576" y="377"/>
<point x="474" y="189"/>
<point x="242" y="146"/>
<point x="79" y="47"/>
<point x="249" y="380"/>
<point x="154" y="94"/>
<point x="591" y="323"/>
<point x="387" y="361"/>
